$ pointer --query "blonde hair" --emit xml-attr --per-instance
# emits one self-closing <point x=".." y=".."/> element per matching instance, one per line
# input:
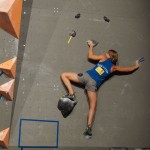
<point x="113" y="56"/>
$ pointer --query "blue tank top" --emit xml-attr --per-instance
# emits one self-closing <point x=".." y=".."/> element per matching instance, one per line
<point x="101" y="71"/>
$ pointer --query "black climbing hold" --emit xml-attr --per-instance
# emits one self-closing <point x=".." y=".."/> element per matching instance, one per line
<point x="77" y="15"/>
<point x="141" y="59"/>
<point x="66" y="106"/>
<point x="94" y="42"/>
<point x="106" y="19"/>
<point x="72" y="33"/>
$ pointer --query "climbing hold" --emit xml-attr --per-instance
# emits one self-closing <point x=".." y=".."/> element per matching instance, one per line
<point x="66" y="106"/>
<point x="9" y="67"/>
<point x="106" y="19"/>
<point x="4" y="138"/>
<point x="141" y="59"/>
<point x="10" y="16"/>
<point x="95" y="43"/>
<point x="71" y="34"/>
<point x="77" y="16"/>
<point x="7" y="89"/>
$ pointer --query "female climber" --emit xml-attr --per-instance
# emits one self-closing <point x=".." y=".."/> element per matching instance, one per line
<point x="93" y="79"/>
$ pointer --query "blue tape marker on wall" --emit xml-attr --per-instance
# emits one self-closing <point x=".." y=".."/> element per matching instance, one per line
<point x="34" y="120"/>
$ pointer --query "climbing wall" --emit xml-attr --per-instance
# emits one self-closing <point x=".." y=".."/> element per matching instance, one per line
<point x="123" y="109"/>
<point x="10" y="20"/>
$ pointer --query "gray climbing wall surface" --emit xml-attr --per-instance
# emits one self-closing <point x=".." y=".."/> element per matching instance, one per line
<point x="123" y="109"/>
<point x="8" y="50"/>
